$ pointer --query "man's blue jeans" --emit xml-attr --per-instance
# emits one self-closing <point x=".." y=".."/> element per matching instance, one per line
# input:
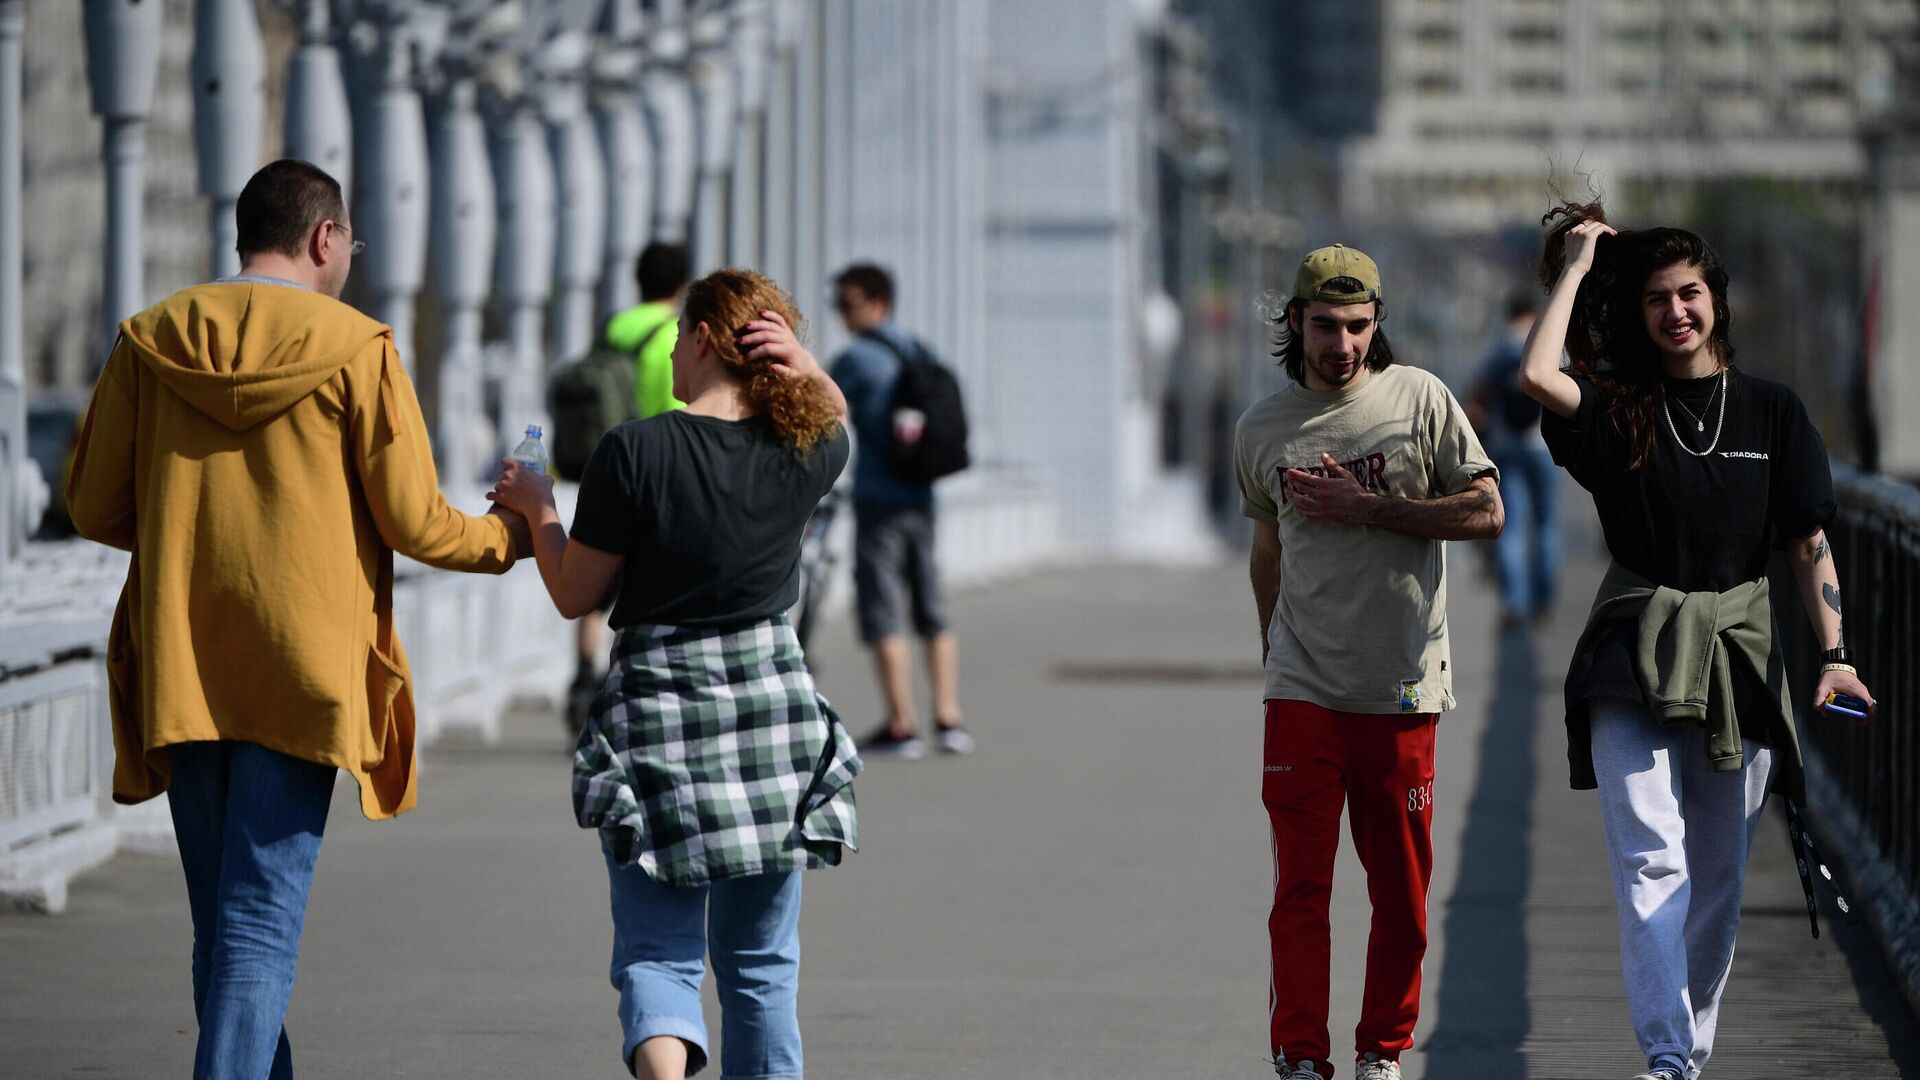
<point x="248" y="821"/>
<point x="1527" y="553"/>
<point x="661" y="935"/>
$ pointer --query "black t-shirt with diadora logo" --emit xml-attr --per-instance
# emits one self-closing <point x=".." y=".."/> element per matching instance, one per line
<point x="1702" y="524"/>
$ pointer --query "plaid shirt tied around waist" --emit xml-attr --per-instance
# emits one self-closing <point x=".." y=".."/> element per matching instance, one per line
<point x="708" y="754"/>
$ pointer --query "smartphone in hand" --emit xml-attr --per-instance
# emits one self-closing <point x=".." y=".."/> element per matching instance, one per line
<point x="1845" y="705"/>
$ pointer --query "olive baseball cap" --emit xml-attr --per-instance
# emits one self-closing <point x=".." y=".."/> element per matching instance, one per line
<point x="1323" y="265"/>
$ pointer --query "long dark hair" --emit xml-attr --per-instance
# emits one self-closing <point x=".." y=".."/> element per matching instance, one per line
<point x="1292" y="350"/>
<point x="1607" y="337"/>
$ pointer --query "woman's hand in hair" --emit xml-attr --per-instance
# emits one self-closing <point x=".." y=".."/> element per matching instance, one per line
<point x="1582" y="241"/>
<point x="522" y="490"/>
<point x="770" y="340"/>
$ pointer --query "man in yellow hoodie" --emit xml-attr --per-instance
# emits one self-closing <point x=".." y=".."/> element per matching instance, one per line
<point x="257" y="446"/>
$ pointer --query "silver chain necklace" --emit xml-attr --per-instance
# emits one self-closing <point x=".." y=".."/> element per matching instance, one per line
<point x="1699" y="419"/>
<point x="1718" y="426"/>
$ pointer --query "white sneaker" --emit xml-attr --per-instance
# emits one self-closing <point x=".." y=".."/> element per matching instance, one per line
<point x="1661" y="1073"/>
<point x="1375" y="1067"/>
<point x="1306" y="1070"/>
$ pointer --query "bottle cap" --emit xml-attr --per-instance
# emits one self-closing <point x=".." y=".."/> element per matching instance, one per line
<point x="533" y="431"/>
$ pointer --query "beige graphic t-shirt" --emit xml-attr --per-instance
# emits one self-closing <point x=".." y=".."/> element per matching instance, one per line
<point x="1361" y="625"/>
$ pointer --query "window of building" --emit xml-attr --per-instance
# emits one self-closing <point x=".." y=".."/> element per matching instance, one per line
<point x="1538" y="82"/>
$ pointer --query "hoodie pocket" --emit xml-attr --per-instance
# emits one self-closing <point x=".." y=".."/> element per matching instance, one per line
<point x="386" y="697"/>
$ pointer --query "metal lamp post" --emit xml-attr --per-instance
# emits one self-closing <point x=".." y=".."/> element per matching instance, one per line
<point x="670" y="109"/>
<point x="462" y="232"/>
<point x="319" y="121"/>
<point x="717" y="92"/>
<point x="122" y="65"/>
<point x="393" y="216"/>
<point x="229" y="106"/>
<point x="580" y="189"/>
<point x="752" y="60"/>
<point x="22" y="491"/>
<point x="523" y="264"/>
<point x="628" y="162"/>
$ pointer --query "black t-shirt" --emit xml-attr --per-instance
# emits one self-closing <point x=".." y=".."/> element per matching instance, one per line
<point x="1700" y="524"/>
<point x="709" y="514"/>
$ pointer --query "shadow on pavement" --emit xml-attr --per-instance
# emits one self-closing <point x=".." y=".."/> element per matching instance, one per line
<point x="1482" y="1000"/>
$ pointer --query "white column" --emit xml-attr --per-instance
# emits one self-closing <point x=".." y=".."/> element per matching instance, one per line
<point x="629" y="158"/>
<point x="19" y="478"/>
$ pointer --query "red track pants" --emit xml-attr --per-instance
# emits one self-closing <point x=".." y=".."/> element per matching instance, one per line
<point x="1382" y="767"/>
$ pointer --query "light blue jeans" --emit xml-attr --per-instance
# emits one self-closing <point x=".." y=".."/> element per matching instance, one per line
<point x="752" y="926"/>
<point x="248" y="821"/>
<point x="1527" y="552"/>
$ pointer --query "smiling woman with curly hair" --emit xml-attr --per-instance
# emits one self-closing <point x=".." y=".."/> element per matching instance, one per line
<point x="712" y="770"/>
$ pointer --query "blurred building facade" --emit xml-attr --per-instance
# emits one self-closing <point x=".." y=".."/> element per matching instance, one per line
<point x="1467" y="101"/>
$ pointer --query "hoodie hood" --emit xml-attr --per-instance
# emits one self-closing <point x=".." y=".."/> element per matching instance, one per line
<point x="244" y="353"/>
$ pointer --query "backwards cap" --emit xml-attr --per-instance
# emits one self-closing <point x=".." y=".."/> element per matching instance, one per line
<point x="1323" y="265"/>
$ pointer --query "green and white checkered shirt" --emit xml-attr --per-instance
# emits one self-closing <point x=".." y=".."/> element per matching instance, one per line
<point x="708" y="754"/>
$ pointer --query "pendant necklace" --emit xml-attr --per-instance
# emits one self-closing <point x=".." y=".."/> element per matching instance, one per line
<point x="1700" y="419"/>
<point x="1718" y="427"/>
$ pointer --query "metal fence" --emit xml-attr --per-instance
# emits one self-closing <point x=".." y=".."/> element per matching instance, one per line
<point x="1864" y="780"/>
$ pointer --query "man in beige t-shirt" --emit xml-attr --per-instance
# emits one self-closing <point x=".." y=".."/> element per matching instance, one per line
<point x="1353" y="475"/>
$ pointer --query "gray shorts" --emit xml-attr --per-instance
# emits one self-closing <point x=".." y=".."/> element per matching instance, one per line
<point x="893" y="565"/>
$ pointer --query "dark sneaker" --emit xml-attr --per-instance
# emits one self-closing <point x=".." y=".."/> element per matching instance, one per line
<point x="885" y="744"/>
<point x="954" y="739"/>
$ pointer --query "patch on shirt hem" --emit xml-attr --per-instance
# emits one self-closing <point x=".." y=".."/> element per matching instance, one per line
<point x="1409" y="695"/>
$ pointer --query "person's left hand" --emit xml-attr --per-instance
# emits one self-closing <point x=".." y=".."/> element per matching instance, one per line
<point x="521" y="490"/>
<point x="1844" y="682"/>
<point x="1336" y="497"/>
<point x="770" y="338"/>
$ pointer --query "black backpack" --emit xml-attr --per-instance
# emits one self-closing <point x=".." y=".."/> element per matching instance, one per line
<point x="587" y="398"/>
<point x="929" y="436"/>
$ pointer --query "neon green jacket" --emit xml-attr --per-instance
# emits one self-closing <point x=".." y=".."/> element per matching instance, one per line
<point x="653" y="366"/>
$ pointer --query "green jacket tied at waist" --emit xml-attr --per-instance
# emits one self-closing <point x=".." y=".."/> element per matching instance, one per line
<point x="1683" y="648"/>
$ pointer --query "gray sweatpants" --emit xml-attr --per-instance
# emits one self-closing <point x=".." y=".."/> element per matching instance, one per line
<point x="1678" y="835"/>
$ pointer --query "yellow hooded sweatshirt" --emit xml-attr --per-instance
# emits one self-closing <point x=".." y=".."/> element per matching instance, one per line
<point x="259" y="450"/>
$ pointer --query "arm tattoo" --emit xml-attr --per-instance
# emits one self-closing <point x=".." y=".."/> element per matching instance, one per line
<point x="1820" y="553"/>
<point x="1831" y="595"/>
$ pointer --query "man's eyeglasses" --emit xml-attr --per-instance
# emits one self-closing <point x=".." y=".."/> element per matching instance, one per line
<point x="354" y="247"/>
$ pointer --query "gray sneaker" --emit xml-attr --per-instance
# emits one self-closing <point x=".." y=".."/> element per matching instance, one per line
<point x="1375" y="1067"/>
<point x="1305" y="1070"/>
<point x="1662" y="1072"/>
<point x="954" y="739"/>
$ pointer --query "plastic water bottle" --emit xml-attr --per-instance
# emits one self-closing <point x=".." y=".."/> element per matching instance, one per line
<point x="531" y="453"/>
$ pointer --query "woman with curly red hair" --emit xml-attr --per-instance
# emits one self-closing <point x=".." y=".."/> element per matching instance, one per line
<point x="712" y="770"/>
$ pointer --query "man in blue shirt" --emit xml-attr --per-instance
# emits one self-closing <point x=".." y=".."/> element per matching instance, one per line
<point x="893" y="560"/>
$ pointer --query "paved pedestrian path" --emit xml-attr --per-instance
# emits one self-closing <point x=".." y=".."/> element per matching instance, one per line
<point x="1085" y="897"/>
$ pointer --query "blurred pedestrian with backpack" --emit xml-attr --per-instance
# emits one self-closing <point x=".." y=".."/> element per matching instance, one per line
<point x="910" y="429"/>
<point x="1527" y="551"/>
<point x="627" y="376"/>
